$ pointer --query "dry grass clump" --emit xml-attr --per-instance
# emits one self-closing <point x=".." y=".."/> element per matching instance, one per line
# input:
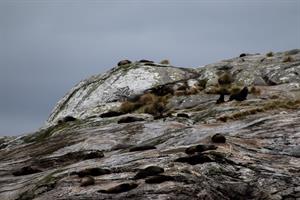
<point x="224" y="90"/>
<point x="240" y="114"/>
<point x="147" y="103"/>
<point x="157" y="107"/>
<point x="185" y="89"/>
<point x="271" y="105"/>
<point x="147" y="98"/>
<point x="179" y="93"/>
<point x="225" y="79"/>
<point x="202" y="83"/>
<point x="192" y="91"/>
<point x="288" y="59"/>
<point x="165" y="62"/>
<point x="223" y="87"/>
<point x="235" y="89"/>
<point x="127" y="106"/>
<point x="286" y="104"/>
<point x="213" y="90"/>
<point x="270" y="54"/>
<point x="255" y="90"/>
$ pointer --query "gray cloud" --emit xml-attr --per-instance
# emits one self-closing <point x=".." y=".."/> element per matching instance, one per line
<point x="46" y="47"/>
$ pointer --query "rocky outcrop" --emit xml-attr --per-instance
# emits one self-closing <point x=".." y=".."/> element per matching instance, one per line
<point x="104" y="92"/>
<point x="196" y="149"/>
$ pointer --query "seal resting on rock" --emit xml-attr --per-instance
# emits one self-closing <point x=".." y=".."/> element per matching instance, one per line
<point x="130" y="119"/>
<point x="88" y="180"/>
<point x="141" y="148"/>
<point x="221" y="99"/>
<point x="240" y="96"/>
<point x="67" y="118"/>
<point x="146" y="61"/>
<point x="92" y="172"/>
<point x="149" y="171"/>
<point x="200" y="148"/>
<point x="159" y="179"/>
<point x="218" y="138"/>
<point x="124" y="187"/>
<point x="124" y="62"/>
<point x="26" y="170"/>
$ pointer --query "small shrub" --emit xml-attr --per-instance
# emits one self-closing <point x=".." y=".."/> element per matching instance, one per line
<point x="213" y="90"/>
<point x="165" y="62"/>
<point x="147" y="98"/>
<point x="180" y="93"/>
<point x="164" y="99"/>
<point x="224" y="90"/>
<point x="202" y="83"/>
<point x="155" y="108"/>
<point x="155" y="105"/>
<point x="235" y="90"/>
<point x="183" y="87"/>
<point x="288" y="59"/>
<point x="192" y="91"/>
<point x="271" y="105"/>
<point x="225" y="79"/>
<point x="270" y="54"/>
<point x="240" y="114"/>
<point x="128" y="106"/>
<point x="255" y="90"/>
<point x="287" y="104"/>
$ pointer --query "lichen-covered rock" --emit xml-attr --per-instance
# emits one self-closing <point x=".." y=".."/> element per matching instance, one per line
<point x="102" y="92"/>
<point x="253" y="68"/>
<point x="260" y="158"/>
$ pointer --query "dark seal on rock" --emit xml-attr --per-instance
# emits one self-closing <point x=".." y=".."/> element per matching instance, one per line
<point x="124" y="62"/>
<point x="84" y="155"/>
<point x="218" y="138"/>
<point x="195" y="159"/>
<point x="243" y="55"/>
<point x="68" y="118"/>
<point x="241" y="96"/>
<point x="26" y="170"/>
<point x="130" y="119"/>
<point x="124" y="187"/>
<point x="142" y="148"/>
<point x="92" y="172"/>
<point x="200" y="148"/>
<point x="159" y="179"/>
<point x="121" y="146"/>
<point x="221" y="99"/>
<point x="149" y="171"/>
<point x="111" y="114"/>
<point x="183" y="115"/>
<point x="88" y="180"/>
<point x="146" y="61"/>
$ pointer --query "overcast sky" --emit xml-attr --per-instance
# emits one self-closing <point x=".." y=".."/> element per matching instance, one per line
<point x="46" y="47"/>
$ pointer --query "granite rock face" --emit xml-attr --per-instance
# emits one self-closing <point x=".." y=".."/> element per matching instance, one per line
<point x="104" y="92"/>
<point x="260" y="158"/>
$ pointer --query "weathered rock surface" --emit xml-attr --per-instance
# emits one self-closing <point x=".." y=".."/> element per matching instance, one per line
<point x="260" y="158"/>
<point x="102" y="92"/>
